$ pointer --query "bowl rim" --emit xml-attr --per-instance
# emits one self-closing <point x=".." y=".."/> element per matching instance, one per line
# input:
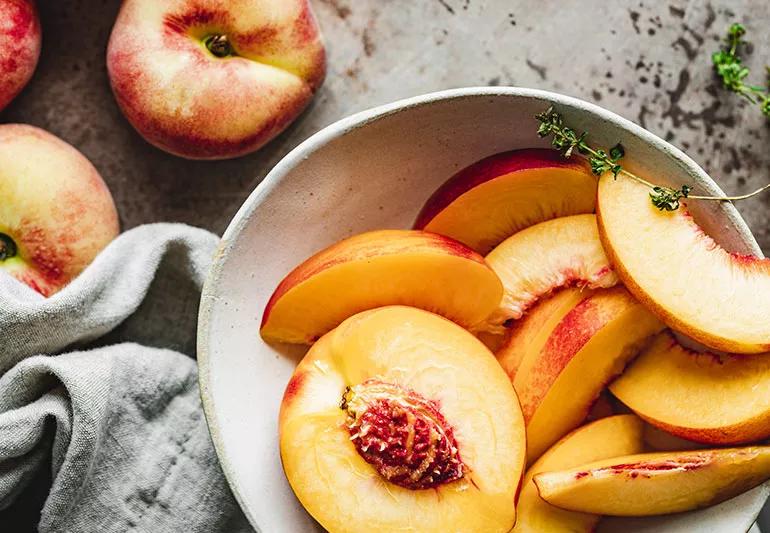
<point x="359" y="120"/>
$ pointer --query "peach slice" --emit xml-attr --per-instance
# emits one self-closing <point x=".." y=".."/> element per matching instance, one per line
<point x="492" y="199"/>
<point x="703" y="397"/>
<point x="656" y="483"/>
<point x="658" y="440"/>
<point x="401" y="420"/>
<point x="379" y="268"/>
<point x="656" y="255"/>
<point x="609" y="437"/>
<point x="556" y="253"/>
<point x="562" y="367"/>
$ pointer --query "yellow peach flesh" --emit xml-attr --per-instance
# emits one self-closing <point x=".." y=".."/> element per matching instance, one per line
<point x="656" y="253"/>
<point x="716" y="399"/>
<point x="492" y="199"/>
<point x="558" y="383"/>
<point x="656" y="483"/>
<point x="380" y="268"/>
<point x="437" y="359"/>
<point x="609" y="437"/>
<point x="546" y="256"/>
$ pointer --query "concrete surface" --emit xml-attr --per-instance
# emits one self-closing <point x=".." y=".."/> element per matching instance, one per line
<point x="648" y="61"/>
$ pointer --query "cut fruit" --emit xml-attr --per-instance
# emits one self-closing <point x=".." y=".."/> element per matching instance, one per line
<point x="657" y="253"/>
<point x="562" y="366"/>
<point x="492" y="199"/>
<point x="658" y="440"/>
<point x="553" y="254"/>
<point x="610" y="437"/>
<point x="656" y="483"/>
<point x="703" y="397"/>
<point x="399" y="364"/>
<point x="380" y="268"/>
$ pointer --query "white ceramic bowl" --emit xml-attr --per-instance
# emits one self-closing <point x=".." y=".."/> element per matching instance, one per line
<point x="374" y="170"/>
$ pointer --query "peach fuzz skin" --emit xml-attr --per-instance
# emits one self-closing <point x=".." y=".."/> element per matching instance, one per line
<point x="490" y="200"/>
<point x="20" y="41"/>
<point x="656" y="483"/>
<point x="609" y="437"/>
<point x="701" y="397"/>
<point x="445" y="364"/>
<point x="185" y="100"/>
<point x="56" y="208"/>
<point x="378" y="268"/>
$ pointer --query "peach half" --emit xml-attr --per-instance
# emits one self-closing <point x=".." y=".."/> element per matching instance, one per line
<point x="400" y="420"/>
<point x="562" y="366"/>
<point x="656" y="253"/>
<point x="534" y="262"/>
<point x="380" y="268"/>
<point x="490" y="200"/>
<point x="656" y="483"/>
<point x="703" y="397"/>
<point x="609" y="437"/>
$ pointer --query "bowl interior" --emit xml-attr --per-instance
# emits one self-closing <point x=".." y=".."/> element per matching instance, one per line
<point x="375" y="170"/>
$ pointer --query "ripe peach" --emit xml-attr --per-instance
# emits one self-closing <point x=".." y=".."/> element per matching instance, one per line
<point x="399" y="419"/>
<point x="381" y="268"/>
<point x="562" y="366"/>
<point x="609" y="437"/>
<point x="19" y="46"/>
<point x="212" y="79"/>
<point x="703" y="397"/>
<point x="536" y="261"/>
<point x="656" y="483"/>
<point x="56" y="213"/>
<point x="656" y="253"/>
<point x="490" y="200"/>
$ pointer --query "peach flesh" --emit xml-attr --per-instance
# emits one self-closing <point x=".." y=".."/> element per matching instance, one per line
<point x="415" y="351"/>
<point x="656" y="483"/>
<point x="702" y="397"/>
<point x="655" y="254"/>
<point x="379" y="268"/>
<point x="492" y="199"/>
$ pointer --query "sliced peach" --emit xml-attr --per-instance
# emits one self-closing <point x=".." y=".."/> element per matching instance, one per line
<point x="704" y="397"/>
<point x="537" y="260"/>
<point x="657" y="253"/>
<point x="656" y="483"/>
<point x="564" y="366"/>
<point x="492" y="199"/>
<point x="609" y="437"/>
<point x="658" y="440"/>
<point x="417" y="375"/>
<point x="379" y="268"/>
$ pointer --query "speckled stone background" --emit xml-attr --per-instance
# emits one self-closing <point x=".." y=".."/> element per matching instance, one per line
<point x="648" y="61"/>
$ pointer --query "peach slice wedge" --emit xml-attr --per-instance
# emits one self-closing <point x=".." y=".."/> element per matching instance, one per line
<point x="380" y="268"/>
<point x="695" y="286"/>
<point x="609" y="437"/>
<point x="492" y="199"/>
<point x="565" y="251"/>
<point x="656" y="483"/>
<point x="562" y="366"/>
<point x="400" y="420"/>
<point x="703" y="397"/>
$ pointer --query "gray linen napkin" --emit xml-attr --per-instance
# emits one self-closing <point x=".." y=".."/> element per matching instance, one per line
<point x="112" y="438"/>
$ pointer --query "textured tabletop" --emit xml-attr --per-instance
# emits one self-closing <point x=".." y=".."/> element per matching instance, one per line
<point x="647" y="61"/>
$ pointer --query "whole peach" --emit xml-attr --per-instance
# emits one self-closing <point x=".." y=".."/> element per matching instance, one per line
<point x="56" y="213"/>
<point x="19" y="46"/>
<point x="214" y="79"/>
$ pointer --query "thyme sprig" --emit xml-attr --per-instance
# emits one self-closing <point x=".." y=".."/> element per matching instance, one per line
<point x="568" y="141"/>
<point x="732" y="71"/>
